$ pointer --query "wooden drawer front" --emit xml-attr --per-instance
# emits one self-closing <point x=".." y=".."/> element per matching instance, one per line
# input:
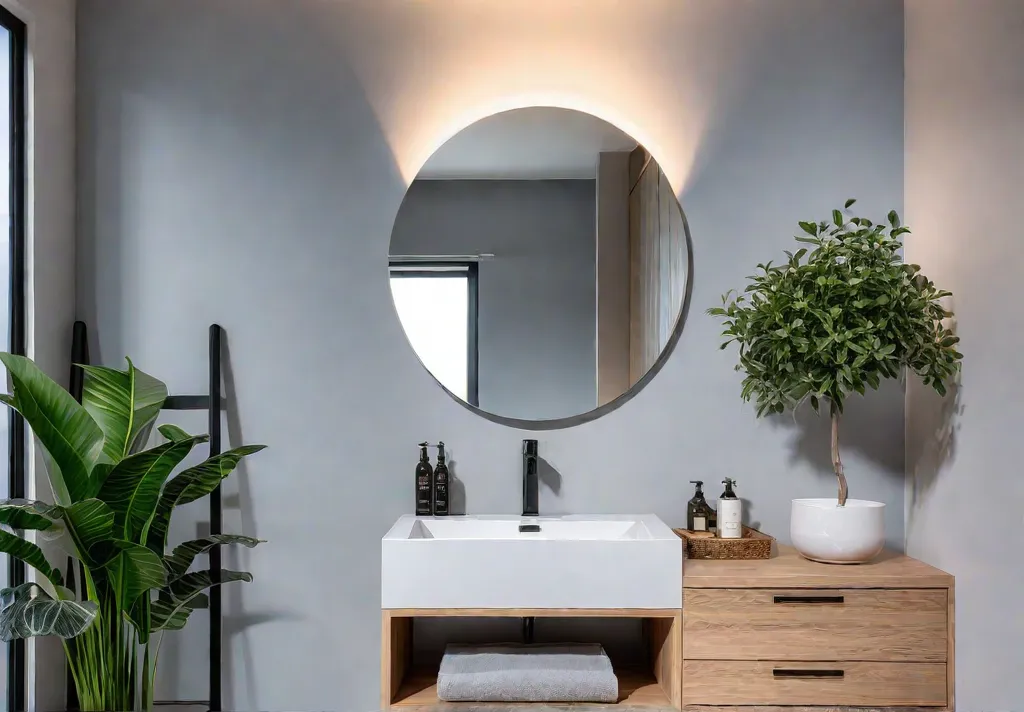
<point x="815" y="624"/>
<point x="712" y="682"/>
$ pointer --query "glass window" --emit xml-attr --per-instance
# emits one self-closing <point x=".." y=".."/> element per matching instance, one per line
<point x="435" y="306"/>
<point x="12" y="298"/>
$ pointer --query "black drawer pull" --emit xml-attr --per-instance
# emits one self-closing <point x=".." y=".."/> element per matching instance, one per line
<point x="787" y="673"/>
<point x="809" y="599"/>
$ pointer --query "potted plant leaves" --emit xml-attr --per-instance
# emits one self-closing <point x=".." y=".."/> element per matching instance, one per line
<point x="839" y="315"/>
<point x="111" y="507"/>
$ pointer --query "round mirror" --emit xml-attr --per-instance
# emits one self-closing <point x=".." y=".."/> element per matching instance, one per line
<point x="539" y="265"/>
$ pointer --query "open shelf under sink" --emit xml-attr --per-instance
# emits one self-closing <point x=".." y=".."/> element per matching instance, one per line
<point x="404" y="686"/>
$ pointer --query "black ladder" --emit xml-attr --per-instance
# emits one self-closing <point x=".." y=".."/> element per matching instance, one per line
<point x="213" y="403"/>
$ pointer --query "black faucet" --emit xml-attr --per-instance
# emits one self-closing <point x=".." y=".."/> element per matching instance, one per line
<point x="531" y="507"/>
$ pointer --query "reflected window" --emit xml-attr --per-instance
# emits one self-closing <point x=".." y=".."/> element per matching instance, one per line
<point x="437" y="305"/>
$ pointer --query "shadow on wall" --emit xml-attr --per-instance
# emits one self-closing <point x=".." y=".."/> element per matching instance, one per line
<point x="933" y="438"/>
<point x="237" y="623"/>
<point x="547" y="475"/>
<point x="931" y="441"/>
<point x="859" y="432"/>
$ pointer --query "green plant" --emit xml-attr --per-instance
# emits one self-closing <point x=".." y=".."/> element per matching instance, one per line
<point x="112" y="506"/>
<point x="836" y="318"/>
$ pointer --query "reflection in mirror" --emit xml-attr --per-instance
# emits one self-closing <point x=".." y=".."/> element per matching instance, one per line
<point x="539" y="264"/>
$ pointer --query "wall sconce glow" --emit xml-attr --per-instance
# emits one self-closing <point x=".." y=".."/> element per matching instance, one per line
<point x="417" y="152"/>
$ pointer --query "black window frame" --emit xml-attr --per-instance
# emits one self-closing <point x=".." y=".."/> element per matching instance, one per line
<point x="471" y="272"/>
<point x="16" y="574"/>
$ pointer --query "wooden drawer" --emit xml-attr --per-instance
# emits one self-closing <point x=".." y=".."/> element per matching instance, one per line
<point x="815" y="624"/>
<point x="713" y="682"/>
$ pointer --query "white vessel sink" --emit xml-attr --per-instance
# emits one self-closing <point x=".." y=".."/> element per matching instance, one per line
<point x="578" y="561"/>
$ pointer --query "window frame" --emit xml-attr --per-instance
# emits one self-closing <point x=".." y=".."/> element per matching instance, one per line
<point x="441" y="269"/>
<point x="17" y="481"/>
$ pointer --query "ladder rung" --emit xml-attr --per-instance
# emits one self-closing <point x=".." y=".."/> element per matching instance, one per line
<point x="187" y="403"/>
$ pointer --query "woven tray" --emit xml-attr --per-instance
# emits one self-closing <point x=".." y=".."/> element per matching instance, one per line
<point x="753" y="545"/>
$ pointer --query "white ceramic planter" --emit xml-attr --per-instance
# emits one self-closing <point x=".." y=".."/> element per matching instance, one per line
<point x="823" y="531"/>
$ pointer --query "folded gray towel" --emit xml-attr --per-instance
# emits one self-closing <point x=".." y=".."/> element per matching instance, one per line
<point x="526" y="673"/>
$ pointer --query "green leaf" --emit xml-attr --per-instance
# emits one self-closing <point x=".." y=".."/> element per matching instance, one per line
<point x="29" y="611"/>
<point x="123" y="403"/>
<point x="175" y="602"/>
<point x="132" y="568"/>
<point x="132" y="488"/>
<point x="810" y="228"/>
<point x="181" y="559"/>
<point x="190" y="485"/>
<point x="90" y="522"/>
<point x="865" y="317"/>
<point x="72" y="439"/>
<point x="894" y="219"/>
<point x="849" y="203"/>
<point x="173" y="615"/>
<point x="29" y="515"/>
<point x="16" y="547"/>
<point x="174" y="433"/>
<point x="188" y="585"/>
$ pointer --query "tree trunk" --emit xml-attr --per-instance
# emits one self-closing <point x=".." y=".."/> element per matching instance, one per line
<point x="837" y="464"/>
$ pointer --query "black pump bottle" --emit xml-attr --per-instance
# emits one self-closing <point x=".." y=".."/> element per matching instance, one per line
<point x="424" y="484"/>
<point x="440" y="484"/>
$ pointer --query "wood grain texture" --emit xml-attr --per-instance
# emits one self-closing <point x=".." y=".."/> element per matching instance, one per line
<point x="801" y="708"/>
<point x="951" y="649"/>
<point x="395" y="654"/>
<point x="787" y="569"/>
<point x="534" y="612"/>
<point x="712" y="682"/>
<point x="870" y="624"/>
<point x="636" y="689"/>
<point x="666" y="651"/>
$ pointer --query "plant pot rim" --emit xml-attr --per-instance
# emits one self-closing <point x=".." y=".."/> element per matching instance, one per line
<point x="833" y="503"/>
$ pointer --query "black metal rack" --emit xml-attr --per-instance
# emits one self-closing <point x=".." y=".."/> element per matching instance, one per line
<point x="213" y="403"/>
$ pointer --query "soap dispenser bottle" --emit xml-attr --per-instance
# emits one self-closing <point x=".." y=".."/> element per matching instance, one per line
<point x="730" y="513"/>
<point x="440" y="484"/>
<point x="697" y="510"/>
<point x="424" y="484"/>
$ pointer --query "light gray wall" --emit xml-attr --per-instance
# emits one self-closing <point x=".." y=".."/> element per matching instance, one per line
<point x="537" y="327"/>
<point x="242" y="161"/>
<point x="964" y="180"/>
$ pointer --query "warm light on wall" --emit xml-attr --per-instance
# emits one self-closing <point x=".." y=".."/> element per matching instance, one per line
<point x="448" y="65"/>
<point x="415" y="154"/>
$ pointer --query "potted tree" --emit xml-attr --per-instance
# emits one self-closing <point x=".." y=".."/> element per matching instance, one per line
<point x="111" y="506"/>
<point x="836" y="317"/>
